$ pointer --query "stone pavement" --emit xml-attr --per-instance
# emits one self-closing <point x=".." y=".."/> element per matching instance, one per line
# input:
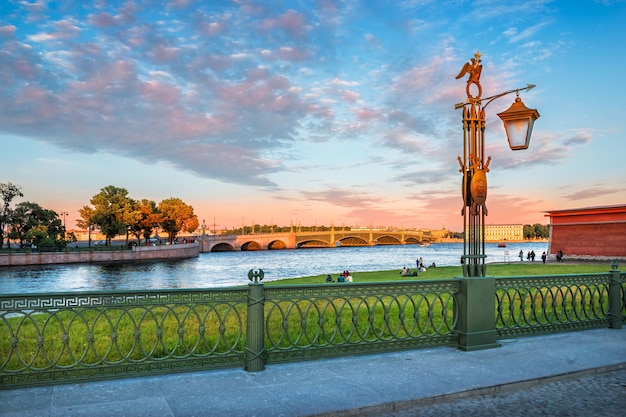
<point x="598" y="393"/>
<point x="567" y="374"/>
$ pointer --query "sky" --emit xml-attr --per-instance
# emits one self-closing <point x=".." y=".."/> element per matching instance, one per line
<point x="310" y="112"/>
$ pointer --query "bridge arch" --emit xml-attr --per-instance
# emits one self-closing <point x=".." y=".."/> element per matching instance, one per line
<point x="223" y="247"/>
<point x="276" y="245"/>
<point x="313" y="243"/>
<point x="251" y="246"/>
<point x="388" y="240"/>
<point x="352" y="241"/>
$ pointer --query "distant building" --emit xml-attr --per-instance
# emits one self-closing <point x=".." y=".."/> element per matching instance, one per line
<point x="503" y="232"/>
<point x="591" y="232"/>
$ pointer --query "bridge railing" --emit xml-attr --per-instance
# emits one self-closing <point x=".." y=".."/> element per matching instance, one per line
<point x="55" y="338"/>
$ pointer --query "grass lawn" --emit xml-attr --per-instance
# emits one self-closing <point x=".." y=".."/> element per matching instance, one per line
<point x="446" y="272"/>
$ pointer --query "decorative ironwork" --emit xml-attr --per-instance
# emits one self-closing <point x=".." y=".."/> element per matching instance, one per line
<point x="323" y="321"/>
<point x="256" y="276"/>
<point x="549" y="304"/>
<point x="54" y="337"/>
<point x="474" y="164"/>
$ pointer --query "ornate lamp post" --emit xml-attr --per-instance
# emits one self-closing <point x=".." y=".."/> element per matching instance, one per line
<point x="518" y="122"/>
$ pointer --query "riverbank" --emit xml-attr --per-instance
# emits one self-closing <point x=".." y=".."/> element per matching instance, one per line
<point x="137" y="254"/>
<point x="503" y="269"/>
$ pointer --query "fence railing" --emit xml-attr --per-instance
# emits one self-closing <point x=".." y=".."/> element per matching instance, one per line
<point x="54" y="338"/>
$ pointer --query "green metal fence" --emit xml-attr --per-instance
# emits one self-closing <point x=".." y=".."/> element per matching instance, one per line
<point x="48" y="338"/>
<point x="55" y="338"/>
<point x="551" y="304"/>
<point x="335" y="320"/>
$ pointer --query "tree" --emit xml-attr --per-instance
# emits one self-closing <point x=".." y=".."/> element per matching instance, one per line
<point x="529" y="232"/>
<point x="8" y="192"/>
<point x="34" y="224"/>
<point x="541" y="231"/>
<point x="148" y="219"/>
<point x="177" y="216"/>
<point x="110" y="212"/>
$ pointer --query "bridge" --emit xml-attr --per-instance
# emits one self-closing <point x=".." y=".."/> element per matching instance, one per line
<point x="303" y="240"/>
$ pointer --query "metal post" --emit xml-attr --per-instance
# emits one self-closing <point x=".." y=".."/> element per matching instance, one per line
<point x="475" y="322"/>
<point x="615" y="298"/>
<point x="474" y="169"/>
<point x="255" y="334"/>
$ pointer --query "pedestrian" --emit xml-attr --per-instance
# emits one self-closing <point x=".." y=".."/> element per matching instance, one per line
<point x="543" y="257"/>
<point x="521" y="255"/>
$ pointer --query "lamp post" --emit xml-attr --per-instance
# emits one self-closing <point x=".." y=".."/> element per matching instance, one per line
<point x="64" y="214"/>
<point x="518" y="123"/>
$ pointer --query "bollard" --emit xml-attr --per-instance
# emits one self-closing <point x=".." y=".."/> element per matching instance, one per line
<point x="255" y="326"/>
<point x="615" y="298"/>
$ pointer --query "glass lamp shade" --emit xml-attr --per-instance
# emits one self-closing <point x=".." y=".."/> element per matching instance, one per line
<point x="518" y="123"/>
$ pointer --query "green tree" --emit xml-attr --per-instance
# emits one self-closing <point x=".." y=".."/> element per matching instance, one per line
<point x="111" y="208"/>
<point x="541" y="231"/>
<point x="8" y="192"/>
<point x="35" y="224"/>
<point x="177" y="216"/>
<point x="85" y="221"/>
<point x="529" y="232"/>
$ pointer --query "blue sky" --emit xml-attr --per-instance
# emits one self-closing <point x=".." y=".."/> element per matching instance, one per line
<point x="310" y="112"/>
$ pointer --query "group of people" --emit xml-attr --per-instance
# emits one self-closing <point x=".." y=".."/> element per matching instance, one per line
<point x="530" y="256"/>
<point x="559" y="256"/>
<point x="419" y="266"/>
<point x="345" y="276"/>
<point x="406" y="272"/>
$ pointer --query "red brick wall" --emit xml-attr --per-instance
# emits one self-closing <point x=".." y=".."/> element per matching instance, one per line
<point x="595" y="231"/>
<point x="589" y="239"/>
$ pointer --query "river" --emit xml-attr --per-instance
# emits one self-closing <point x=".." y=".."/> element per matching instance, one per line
<point x="231" y="268"/>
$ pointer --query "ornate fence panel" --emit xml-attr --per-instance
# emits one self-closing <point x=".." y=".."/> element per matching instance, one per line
<point x="623" y="296"/>
<point x="313" y="321"/>
<point x="70" y="337"/>
<point x="531" y="305"/>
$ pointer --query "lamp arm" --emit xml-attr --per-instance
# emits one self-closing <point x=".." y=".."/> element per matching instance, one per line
<point x="517" y="90"/>
<point x="492" y="98"/>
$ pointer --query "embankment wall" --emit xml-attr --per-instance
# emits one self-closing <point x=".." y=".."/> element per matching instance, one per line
<point x="139" y="253"/>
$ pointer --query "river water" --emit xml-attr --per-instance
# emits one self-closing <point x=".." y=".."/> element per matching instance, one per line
<point x="231" y="268"/>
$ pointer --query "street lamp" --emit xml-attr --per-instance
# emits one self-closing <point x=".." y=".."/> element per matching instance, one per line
<point x="64" y="213"/>
<point x="518" y="122"/>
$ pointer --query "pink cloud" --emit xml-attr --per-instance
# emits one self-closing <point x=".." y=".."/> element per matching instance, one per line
<point x="351" y="96"/>
<point x="103" y="20"/>
<point x="365" y="114"/>
<point x="291" y="22"/>
<point x="7" y="31"/>
<point x="292" y="54"/>
<point x="163" y="53"/>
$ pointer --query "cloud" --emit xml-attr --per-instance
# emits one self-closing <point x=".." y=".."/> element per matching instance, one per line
<point x="579" y="138"/>
<point x="598" y="190"/>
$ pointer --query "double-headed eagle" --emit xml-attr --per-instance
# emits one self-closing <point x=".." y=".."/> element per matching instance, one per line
<point x="473" y="69"/>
